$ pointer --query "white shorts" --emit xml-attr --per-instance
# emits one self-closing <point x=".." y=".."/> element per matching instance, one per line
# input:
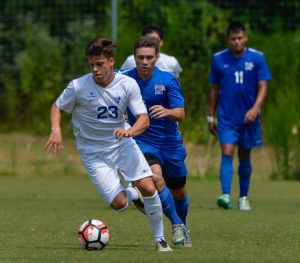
<point x="104" y="167"/>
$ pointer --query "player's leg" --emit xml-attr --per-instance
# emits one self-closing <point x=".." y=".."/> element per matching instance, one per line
<point x="175" y="173"/>
<point x="135" y="168"/>
<point x="166" y="199"/>
<point x="228" y="136"/>
<point x="153" y="211"/>
<point x="107" y="181"/>
<point x="245" y="170"/>
<point x="251" y="136"/>
<point x="226" y="175"/>
<point x="152" y="156"/>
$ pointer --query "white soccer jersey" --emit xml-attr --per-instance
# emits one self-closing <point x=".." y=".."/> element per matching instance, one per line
<point x="97" y="111"/>
<point x="164" y="62"/>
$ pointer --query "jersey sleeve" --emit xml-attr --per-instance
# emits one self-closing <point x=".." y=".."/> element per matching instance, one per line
<point x="214" y="75"/>
<point x="66" y="101"/>
<point x="174" y="93"/>
<point x="177" y="68"/>
<point x="263" y="72"/>
<point x="135" y="102"/>
<point x="129" y="63"/>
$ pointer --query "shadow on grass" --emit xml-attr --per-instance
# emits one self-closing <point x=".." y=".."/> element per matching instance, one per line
<point x="110" y="247"/>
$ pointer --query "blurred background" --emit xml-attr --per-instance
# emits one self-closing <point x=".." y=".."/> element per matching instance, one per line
<point x="42" y="49"/>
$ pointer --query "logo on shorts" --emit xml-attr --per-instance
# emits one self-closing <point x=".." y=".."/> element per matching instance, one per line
<point x="145" y="170"/>
<point x="159" y="89"/>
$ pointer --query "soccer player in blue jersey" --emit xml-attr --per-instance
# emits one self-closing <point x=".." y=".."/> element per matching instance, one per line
<point x="239" y="77"/>
<point x="162" y="143"/>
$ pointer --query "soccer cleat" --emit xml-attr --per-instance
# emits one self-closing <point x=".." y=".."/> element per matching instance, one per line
<point x="187" y="239"/>
<point x="139" y="203"/>
<point x="163" y="246"/>
<point x="243" y="203"/>
<point x="224" y="201"/>
<point x="177" y="234"/>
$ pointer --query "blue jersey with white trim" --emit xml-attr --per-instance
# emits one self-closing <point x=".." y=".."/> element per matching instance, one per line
<point x="238" y="81"/>
<point x="161" y="89"/>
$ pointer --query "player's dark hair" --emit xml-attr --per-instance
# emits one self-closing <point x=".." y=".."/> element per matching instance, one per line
<point x="146" y="41"/>
<point x="150" y="28"/>
<point x="100" y="46"/>
<point x="235" y="27"/>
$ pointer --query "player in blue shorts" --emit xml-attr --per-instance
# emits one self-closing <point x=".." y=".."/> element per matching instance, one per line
<point x="162" y="143"/>
<point x="239" y="77"/>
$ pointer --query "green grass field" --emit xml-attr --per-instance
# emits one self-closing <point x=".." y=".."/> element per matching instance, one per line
<point x="40" y="217"/>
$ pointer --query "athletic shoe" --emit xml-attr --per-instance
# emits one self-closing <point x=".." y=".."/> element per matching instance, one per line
<point x="139" y="203"/>
<point x="243" y="203"/>
<point x="162" y="246"/>
<point x="224" y="201"/>
<point x="177" y="234"/>
<point x="187" y="239"/>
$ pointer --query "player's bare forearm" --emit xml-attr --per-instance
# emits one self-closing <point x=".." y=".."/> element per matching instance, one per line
<point x="213" y="99"/>
<point x="55" y="139"/>
<point x="251" y="115"/>
<point x="142" y="123"/>
<point x="176" y="114"/>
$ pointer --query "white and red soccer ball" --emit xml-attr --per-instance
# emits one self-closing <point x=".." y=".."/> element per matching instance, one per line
<point x="93" y="235"/>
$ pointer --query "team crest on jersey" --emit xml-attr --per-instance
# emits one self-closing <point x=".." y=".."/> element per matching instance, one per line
<point x="159" y="89"/>
<point x="117" y="99"/>
<point x="91" y="97"/>
<point x="249" y="66"/>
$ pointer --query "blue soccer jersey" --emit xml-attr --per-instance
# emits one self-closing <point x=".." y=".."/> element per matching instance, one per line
<point x="238" y="81"/>
<point x="161" y="89"/>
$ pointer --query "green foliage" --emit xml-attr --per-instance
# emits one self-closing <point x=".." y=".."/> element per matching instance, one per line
<point x="44" y="50"/>
<point x="36" y="77"/>
<point x="281" y="117"/>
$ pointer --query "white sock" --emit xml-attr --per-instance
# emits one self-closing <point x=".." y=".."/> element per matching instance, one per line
<point x="132" y="194"/>
<point x="154" y="213"/>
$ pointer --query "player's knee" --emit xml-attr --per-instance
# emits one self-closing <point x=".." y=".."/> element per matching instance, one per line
<point x="227" y="149"/>
<point x="146" y="186"/>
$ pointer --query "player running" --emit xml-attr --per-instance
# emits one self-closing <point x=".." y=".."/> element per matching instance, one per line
<point x="162" y="143"/>
<point x="97" y="102"/>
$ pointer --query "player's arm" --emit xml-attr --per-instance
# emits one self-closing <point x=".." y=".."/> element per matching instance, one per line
<point x="251" y="115"/>
<point x="213" y="102"/>
<point x="141" y="124"/>
<point x="55" y="138"/>
<point x="176" y="114"/>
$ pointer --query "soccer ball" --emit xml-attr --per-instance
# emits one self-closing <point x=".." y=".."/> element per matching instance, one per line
<point x="93" y="235"/>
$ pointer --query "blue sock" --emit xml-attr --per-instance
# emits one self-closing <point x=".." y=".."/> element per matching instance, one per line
<point x="182" y="208"/>
<point x="226" y="173"/>
<point x="168" y="206"/>
<point x="245" y="170"/>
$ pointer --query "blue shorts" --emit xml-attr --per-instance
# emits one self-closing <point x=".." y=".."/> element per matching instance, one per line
<point x="246" y="136"/>
<point x="172" y="160"/>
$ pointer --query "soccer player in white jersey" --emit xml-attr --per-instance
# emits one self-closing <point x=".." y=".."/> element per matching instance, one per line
<point x="164" y="61"/>
<point x="239" y="77"/>
<point x="97" y="102"/>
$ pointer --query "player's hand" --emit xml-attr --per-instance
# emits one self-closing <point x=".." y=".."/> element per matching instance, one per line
<point x="251" y="115"/>
<point x="55" y="142"/>
<point x="119" y="133"/>
<point x="158" y="111"/>
<point x="212" y="126"/>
